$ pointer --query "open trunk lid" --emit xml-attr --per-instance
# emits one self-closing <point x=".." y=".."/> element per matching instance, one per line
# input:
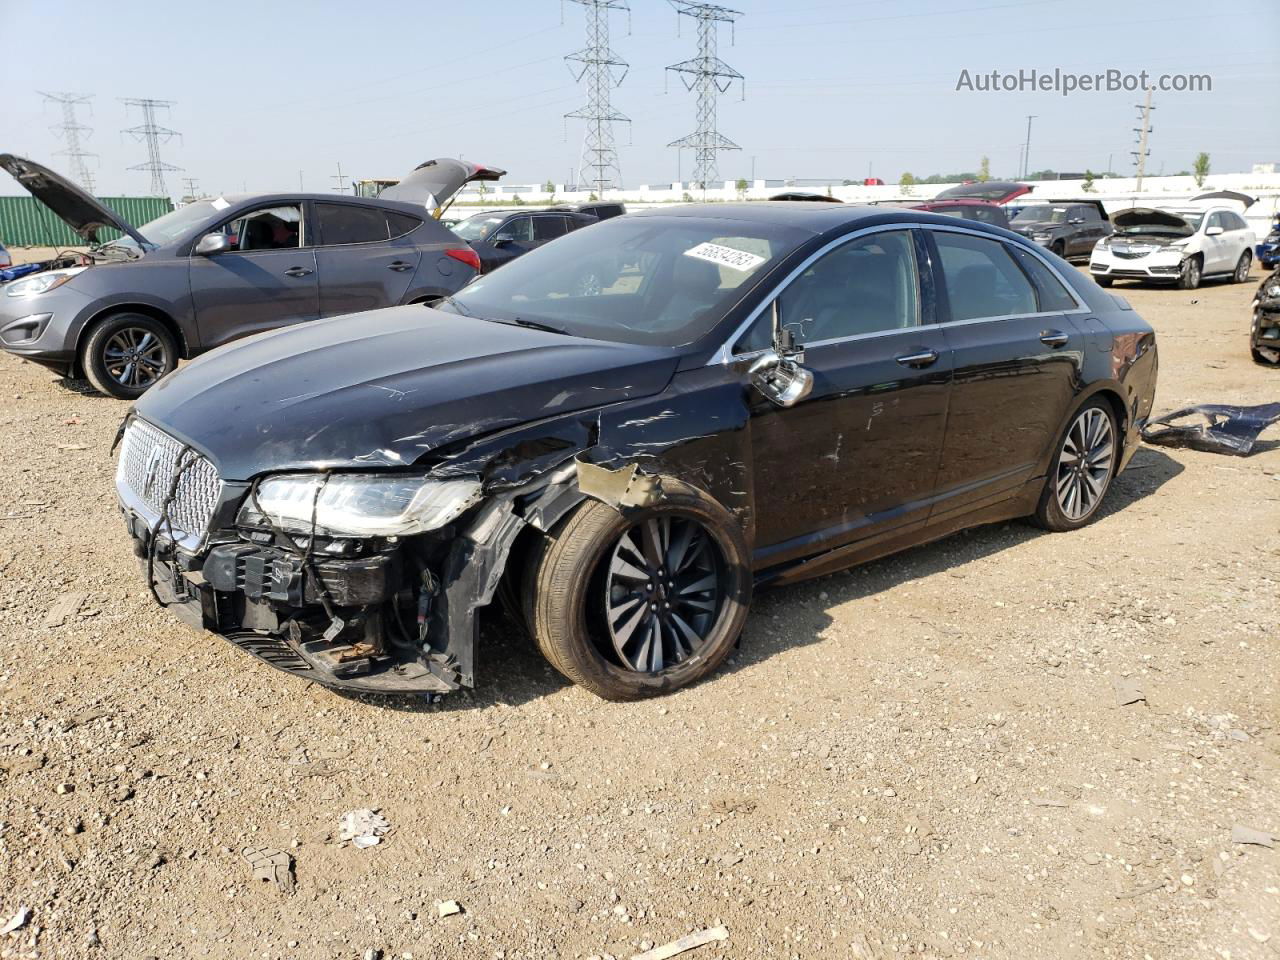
<point x="81" y="212"/>
<point x="435" y="183"/>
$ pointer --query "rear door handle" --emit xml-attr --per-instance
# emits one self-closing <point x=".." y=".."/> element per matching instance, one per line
<point x="298" y="272"/>
<point x="1053" y="338"/>
<point x="922" y="359"/>
<point x="400" y="266"/>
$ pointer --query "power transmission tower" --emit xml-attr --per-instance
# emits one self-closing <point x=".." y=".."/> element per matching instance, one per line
<point x="70" y="131"/>
<point x="709" y="76"/>
<point x="153" y="135"/>
<point x="603" y="70"/>
<point x="1140" y="155"/>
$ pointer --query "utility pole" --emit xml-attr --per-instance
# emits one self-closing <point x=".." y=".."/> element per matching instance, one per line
<point x="342" y="181"/>
<point x="191" y="184"/>
<point x="1140" y="155"/>
<point x="153" y="135"/>
<point x="70" y="132"/>
<point x="603" y="70"/>
<point x="753" y="169"/>
<point x="709" y="76"/>
<point x="1026" y="150"/>
<point x="300" y="187"/>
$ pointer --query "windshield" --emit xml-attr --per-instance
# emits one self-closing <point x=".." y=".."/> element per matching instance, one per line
<point x="478" y="227"/>
<point x="1044" y="214"/>
<point x="663" y="281"/>
<point x="172" y="226"/>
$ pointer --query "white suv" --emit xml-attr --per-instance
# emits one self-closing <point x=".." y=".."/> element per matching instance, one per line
<point x="1179" y="245"/>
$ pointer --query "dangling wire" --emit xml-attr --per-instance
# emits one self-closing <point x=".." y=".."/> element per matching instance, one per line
<point x="304" y="556"/>
<point x="180" y="467"/>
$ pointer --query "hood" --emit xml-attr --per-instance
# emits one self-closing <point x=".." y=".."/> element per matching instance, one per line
<point x="434" y="183"/>
<point x="382" y="389"/>
<point x="1165" y="220"/>
<point x="81" y="212"/>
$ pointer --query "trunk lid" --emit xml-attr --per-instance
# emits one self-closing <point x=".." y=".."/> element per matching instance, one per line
<point x="433" y="184"/>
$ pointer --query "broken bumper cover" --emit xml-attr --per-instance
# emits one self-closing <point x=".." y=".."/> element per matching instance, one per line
<point x="263" y="600"/>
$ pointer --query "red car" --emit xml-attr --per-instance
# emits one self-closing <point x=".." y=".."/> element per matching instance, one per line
<point x="994" y="191"/>
<point x="983" y="211"/>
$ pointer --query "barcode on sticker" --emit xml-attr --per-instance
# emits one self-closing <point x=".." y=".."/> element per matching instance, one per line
<point x="725" y="256"/>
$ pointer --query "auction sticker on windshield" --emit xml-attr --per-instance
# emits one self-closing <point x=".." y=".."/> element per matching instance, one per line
<point x="725" y="256"/>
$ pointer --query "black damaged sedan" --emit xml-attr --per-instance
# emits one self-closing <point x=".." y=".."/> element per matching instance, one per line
<point x="623" y="434"/>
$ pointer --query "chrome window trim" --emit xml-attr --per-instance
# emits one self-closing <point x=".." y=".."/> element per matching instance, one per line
<point x="725" y="355"/>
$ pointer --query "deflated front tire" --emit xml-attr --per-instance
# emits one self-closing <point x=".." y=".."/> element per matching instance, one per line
<point x="641" y="602"/>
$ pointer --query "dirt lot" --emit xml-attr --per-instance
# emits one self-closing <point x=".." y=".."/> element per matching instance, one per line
<point x="920" y="757"/>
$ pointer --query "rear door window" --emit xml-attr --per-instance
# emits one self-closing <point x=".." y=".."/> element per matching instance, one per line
<point x="981" y="278"/>
<point x="398" y="224"/>
<point x="548" y="227"/>
<point x="342" y="223"/>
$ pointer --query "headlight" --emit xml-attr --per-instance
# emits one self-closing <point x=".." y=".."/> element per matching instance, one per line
<point x="1042" y="237"/>
<point x="360" y="504"/>
<point x="41" y="282"/>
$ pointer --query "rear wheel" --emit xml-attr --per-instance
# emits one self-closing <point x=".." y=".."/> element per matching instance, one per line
<point x="126" y="353"/>
<point x="1082" y="470"/>
<point x="1059" y="248"/>
<point x="643" y="604"/>
<point x="1189" y="277"/>
<point x="1241" y="273"/>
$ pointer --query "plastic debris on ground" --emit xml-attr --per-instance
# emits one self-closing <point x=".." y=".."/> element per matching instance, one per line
<point x="685" y="943"/>
<point x="364" y="828"/>
<point x="17" y="921"/>
<point x="1213" y="427"/>
<point x="447" y="908"/>
<point x="271" y="866"/>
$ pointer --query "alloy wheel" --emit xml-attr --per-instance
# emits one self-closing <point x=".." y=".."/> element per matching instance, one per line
<point x="1191" y="273"/>
<point x="1084" y="464"/>
<point x="135" y="357"/>
<point x="663" y="589"/>
<point x="1242" y="268"/>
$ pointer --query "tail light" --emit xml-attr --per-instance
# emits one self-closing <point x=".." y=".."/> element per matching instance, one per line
<point x="467" y="256"/>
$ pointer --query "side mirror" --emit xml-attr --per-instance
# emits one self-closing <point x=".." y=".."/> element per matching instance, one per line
<point x="502" y="239"/>
<point x="778" y="373"/>
<point x="1213" y="232"/>
<point x="212" y="243"/>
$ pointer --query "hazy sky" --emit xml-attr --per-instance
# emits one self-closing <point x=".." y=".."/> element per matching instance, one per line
<point x="266" y="89"/>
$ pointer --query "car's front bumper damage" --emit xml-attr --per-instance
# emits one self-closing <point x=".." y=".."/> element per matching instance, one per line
<point x="387" y="615"/>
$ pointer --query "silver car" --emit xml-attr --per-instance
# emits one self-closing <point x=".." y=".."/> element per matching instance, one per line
<point x="217" y="269"/>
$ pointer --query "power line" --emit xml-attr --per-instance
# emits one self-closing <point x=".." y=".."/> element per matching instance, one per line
<point x="603" y="70"/>
<point x="1140" y="155"/>
<point x="153" y="135"/>
<point x="709" y="76"/>
<point x="70" y="132"/>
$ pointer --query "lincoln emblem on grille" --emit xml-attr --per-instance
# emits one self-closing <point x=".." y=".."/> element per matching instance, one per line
<point x="154" y="460"/>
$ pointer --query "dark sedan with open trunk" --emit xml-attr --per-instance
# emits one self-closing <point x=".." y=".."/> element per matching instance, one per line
<point x="623" y="434"/>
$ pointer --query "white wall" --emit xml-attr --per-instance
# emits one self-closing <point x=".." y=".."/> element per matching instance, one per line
<point x="1116" y="194"/>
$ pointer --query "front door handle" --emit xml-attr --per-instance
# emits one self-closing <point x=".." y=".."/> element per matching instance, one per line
<point x="922" y="359"/>
<point x="299" y="272"/>
<point x="1053" y="338"/>
<point x="400" y="266"/>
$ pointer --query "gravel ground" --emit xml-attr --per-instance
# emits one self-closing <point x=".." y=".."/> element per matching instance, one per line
<point x="920" y="757"/>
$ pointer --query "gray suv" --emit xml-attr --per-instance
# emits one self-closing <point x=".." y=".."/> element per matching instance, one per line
<point x="214" y="270"/>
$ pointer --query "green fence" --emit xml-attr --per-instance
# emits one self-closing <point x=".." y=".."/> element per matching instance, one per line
<point x="26" y="222"/>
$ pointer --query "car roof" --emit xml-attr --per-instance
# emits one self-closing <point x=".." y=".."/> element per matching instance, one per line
<point x="816" y="217"/>
<point x="959" y="202"/>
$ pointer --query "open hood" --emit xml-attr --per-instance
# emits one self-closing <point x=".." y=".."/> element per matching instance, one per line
<point x="1164" y="221"/>
<point x="434" y="183"/>
<point x="1230" y="195"/>
<point x="81" y="212"/>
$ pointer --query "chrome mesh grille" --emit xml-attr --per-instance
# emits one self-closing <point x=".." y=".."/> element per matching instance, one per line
<point x="148" y="461"/>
